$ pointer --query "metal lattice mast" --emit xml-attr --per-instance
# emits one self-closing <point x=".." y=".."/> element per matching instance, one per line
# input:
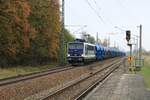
<point x="140" y="47"/>
<point x="62" y="50"/>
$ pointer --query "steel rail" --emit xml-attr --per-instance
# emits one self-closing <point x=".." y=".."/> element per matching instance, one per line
<point x="16" y="79"/>
<point x="19" y="78"/>
<point x="91" y="87"/>
<point x="78" y="82"/>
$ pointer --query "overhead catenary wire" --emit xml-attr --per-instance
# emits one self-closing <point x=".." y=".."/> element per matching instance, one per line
<point x="97" y="5"/>
<point x="98" y="15"/>
<point x="74" y="26"/>
<point x="108" y="23"/>
<point x="79" y="29"/>
<point x="99" y="8"/>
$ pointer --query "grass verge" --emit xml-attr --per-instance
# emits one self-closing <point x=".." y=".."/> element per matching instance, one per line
<point x="145" y="71"/>
<point x="22" y="70"/>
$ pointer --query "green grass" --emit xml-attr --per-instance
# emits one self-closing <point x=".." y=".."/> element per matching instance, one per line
<point x="22" y="70"/>
<point x="145" y="72"/>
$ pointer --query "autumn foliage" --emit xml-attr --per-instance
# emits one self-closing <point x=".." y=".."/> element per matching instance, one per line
<point x="29" y="31"/>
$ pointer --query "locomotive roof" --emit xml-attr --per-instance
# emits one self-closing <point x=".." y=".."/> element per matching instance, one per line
<point x="83" y="43"/>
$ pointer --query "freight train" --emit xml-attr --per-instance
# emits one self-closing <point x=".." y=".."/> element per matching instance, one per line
<point x="80" y="51"/>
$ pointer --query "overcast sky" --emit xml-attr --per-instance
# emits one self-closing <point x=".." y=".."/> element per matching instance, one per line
<point x="103" y="15"/>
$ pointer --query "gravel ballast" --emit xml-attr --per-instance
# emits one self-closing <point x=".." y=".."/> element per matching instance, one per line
<point x="24" y="89"/>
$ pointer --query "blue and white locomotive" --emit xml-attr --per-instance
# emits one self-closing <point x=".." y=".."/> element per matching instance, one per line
<point x="80" y="51"/>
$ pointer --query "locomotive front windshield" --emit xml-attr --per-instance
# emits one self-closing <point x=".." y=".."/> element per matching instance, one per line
<point x="75" y="46"/>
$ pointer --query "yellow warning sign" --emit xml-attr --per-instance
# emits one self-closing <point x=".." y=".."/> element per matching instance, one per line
<point x="130" y="58"/>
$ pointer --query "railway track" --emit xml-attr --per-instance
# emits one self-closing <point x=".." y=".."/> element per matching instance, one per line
<point x="41" y="84"/>
<point x="96" y="83"/>
<point x="103" y="73"/>
<point x="16" y="79"/>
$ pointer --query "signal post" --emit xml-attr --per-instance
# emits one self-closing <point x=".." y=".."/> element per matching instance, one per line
<point x="130" y="58"/>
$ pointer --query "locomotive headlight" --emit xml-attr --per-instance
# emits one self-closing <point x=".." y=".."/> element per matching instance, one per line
<point x="68" y="54"/>
<point x="69" y="59"/>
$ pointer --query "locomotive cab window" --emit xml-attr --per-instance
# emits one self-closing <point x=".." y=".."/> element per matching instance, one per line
<point x="75" y="46"/>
